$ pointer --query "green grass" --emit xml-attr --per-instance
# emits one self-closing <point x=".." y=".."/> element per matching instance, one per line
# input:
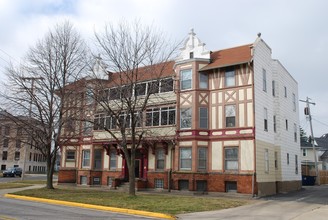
<point x="163" y="203"/>
<point x="13" y="185"/>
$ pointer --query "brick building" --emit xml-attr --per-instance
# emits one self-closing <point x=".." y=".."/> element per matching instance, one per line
<point x="15" y="150"/>
<point x="225" y="121"/>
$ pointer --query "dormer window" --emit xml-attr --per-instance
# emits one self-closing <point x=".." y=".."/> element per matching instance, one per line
<point x="191" y="55"/>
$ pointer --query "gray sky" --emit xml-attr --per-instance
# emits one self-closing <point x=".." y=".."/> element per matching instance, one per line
<point x="296" y="30"/>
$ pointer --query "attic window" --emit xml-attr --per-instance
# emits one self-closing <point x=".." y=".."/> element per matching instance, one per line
<point x="191" y="55"/>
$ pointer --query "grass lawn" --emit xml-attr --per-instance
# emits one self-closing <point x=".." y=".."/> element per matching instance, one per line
<point x="162" y="203"/>
<point x="13" y="185"/>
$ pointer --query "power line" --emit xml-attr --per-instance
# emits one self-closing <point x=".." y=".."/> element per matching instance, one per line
<point x="8" y="55"/>
<point x="320" y="122"/>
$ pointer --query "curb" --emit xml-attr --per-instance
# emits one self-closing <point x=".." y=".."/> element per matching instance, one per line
<point x="89" y="206"/>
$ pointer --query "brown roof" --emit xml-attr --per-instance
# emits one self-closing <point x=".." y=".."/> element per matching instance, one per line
<point x="228" y="57"/>
<point x="155" y="71"/>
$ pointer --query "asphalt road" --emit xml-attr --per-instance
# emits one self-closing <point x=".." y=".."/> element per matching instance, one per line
<point x="11" y="209"/>
<point x="311" y="203"/>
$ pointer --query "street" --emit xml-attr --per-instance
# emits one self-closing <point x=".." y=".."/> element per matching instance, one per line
<point x="11" y="209"/>
<point x="309" y="203"/>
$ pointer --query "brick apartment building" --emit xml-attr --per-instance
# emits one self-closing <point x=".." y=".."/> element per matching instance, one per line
<point x="227" y="119"/>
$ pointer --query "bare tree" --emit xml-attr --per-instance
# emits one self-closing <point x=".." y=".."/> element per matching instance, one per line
<point x="133" y="53"/>
<point x="39" y="89"/>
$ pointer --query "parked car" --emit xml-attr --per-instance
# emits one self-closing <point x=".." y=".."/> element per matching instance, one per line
<point x="12" y="171"/>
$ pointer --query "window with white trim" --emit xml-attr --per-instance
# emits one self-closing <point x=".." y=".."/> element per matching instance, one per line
<point x="230" y="115"/>
<point x="273" y="88"/>
<point x="304" y="152"/>
<point x="112" y="159"/>
<point x="265" y="116"/>
<point x="70" y="155"/>
<point x="185" y="118"/>
<point x="160" y="156"/>
<point x="295" y="132"/>
<point x="85" y="158"/>
<point x="185" y="158"/>
<point x="203" y="80"/>
<point x="203" y="117"/>
<point x="97" y="159"/>
<point x="264" y="78"/>
<point x="202" y="159"/>
<point x="185" y="79"/>
<point x="294" y="102"/>
<point x="230" y="77"/>
<point x="266" y="160"/>
<point x="231" y="161"/>
<point x="296" y="164"/>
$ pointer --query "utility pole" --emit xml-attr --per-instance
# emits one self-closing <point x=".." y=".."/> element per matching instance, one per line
<point x="308" y="112"/>
<point x="32" y="79"/>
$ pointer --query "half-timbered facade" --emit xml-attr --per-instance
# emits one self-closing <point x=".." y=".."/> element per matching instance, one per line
<point x="225" y="121"/>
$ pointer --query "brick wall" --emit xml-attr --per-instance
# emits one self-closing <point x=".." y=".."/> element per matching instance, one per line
<point x="67" y="176"/>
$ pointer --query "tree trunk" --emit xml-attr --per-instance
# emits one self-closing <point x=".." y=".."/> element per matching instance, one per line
<point x="132" y="181"/>
<point x="50" y="171"/>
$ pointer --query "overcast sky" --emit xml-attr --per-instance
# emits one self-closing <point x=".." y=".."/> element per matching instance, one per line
<point x="296" y="30"/>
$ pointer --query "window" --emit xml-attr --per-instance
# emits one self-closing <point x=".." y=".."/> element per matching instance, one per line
<point x="3" y="166"/>
<point x="266" y="160"/>
<point x="296" y="164"/>
<point x="166" y="85"/>
<point x="99" y="122"/>
<point x="86" y="158"/>
<point x="7" y="130"/>
<point x="285" y="91"/>
<point x="295" y="132"/>
<point x="273" y="88"/>
<point x="203" y="80"/>
<point x="152" y="117"/>
<point x="304" y="152"/>
<point x="160" y="116"/>
<point x="294" y="102"/>
<point x="97" y="159"/>
<point x="274" y="123"/>
<point x="230" y="113"/>
<point x="286" y="122"/>
<point x="159" y="183"/>
<point x="185" y="79"/>
<point x="153" y="87"/>
<point x="191" y="55"/>
<point x="125" y="120"/>
<point x="167" y="116"/>
<point x="114" y="93"/>
<point x="110" y="122"/>
<point x="202" y="159"/>
<point x="276" y="160"/>
<point x="17" y="155"/>
<point x="70" y="155"/>
<point x="87" y="127"/>
<point x="140" y="89"/>
<point x="265" y="119"/>
<point x="264" y="78"/>
<point x="185" y="118"/>
<point x="89" y="96"/>
<point x="230" y="77"/>
<point x="19" y="131"/>
<point x="160" y="156"/>
<point x="5" y="142"/>
<point x="203" y="117"/>
<point x="4" y="155"/>
<point x="287" y="158"/>
<point x="185" y="158"/>
<point x="231" y="158"/>
<point x="113" y="161"/>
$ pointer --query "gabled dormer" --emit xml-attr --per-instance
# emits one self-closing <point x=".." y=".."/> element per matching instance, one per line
<point x="193" y="49"/>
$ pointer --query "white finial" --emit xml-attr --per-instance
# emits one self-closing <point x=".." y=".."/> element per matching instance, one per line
<point x="259" y="34"/>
